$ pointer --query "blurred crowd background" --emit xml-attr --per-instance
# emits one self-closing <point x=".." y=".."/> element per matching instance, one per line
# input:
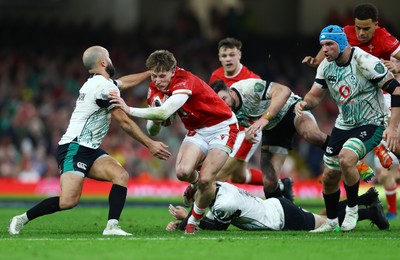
<point x="41" y="69"/>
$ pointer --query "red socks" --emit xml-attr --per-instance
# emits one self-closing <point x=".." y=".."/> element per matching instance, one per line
<point x="391" y="199"/>
<point x="255" y="177"/>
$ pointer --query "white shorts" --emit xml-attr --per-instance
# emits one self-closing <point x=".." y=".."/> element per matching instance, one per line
<point x="220" y="136"/>
<point x="243" y="150"/>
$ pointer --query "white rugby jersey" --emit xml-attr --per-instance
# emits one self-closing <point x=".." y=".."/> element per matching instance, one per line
<point x="245" y="211"/>
<point x="255" y="98"/>
<point x="354" y="88"/>
<point x="91" y="118"/>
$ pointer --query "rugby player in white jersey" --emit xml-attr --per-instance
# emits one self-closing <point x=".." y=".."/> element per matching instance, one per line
<point x="235" y="206"/>
<point x="265" y="109"/>
<point x="79" y="155"/>
<point x="354" y="79"/>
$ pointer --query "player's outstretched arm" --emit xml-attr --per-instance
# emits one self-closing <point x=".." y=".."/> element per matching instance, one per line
<point x="312" y="99"/>
<point x="158" y="149"/>
<point x="163" y="112"/>
<point x="132" y="80"/>
<point x="279" y="95"/>
<point x="313" y="62"/>
<point x="171" y="105"/>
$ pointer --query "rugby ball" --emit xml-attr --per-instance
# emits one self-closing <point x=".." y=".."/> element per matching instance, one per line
<point x="156" y="100"/>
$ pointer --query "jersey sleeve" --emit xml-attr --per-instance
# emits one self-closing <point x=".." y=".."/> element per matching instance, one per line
<point x="320" y="77"/>
<point x="388" y="42"/>
<point x="102" y="99"/>
<point x="372" y="68"/>
<point x="182" y="84"/>
<point x="257" y="89"/>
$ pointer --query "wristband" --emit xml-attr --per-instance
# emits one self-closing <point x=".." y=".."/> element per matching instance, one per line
<point x="395" y="101"/>
<point x="268" y="116"/>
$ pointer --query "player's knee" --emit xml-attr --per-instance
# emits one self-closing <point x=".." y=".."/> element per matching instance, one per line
<point x="184" y="173"/>
<point x="68" y="203"/>
<point x="182" y="176"/>
<point x="125" y="177"/>
<point x="204" y="182"/>
<point x="121" y="178"/>
<point x="330" y="178"/>
<point x="346" y="161"/>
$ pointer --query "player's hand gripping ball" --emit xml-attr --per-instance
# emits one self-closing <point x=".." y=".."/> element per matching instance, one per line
<point x="156" y="101"/>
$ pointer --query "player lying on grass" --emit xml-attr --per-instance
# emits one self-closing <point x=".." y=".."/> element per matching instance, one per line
<point x="235" y="206"/>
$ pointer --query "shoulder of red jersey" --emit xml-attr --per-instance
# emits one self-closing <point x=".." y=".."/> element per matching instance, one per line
<point x="386" y="38"/>
<point x="246" y="73"/>
<point x="183" y="82"/>
<point x="382" y="32"/>
<point x="216" y="75"/>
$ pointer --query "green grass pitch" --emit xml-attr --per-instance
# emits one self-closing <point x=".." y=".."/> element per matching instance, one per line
<point x="76" y="234"/>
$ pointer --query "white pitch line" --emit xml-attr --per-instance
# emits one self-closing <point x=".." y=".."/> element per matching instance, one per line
<point x="195" y="238"/>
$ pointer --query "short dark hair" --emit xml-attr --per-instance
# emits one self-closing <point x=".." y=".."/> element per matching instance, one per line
<point x="365" y="12"/>
<point x="230" y="43"/>
<point x="219" y="85"/>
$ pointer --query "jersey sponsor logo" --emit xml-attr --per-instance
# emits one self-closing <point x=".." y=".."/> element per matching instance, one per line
<point x="379" y="68"/>
<point x="331" y="79"/>
<point x="81" y="165"/>
<point x="329" y="149"/>
<point x="344" y="91"/>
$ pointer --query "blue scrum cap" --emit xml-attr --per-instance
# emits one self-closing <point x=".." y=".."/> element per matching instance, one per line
<point x="336" y="34"/>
